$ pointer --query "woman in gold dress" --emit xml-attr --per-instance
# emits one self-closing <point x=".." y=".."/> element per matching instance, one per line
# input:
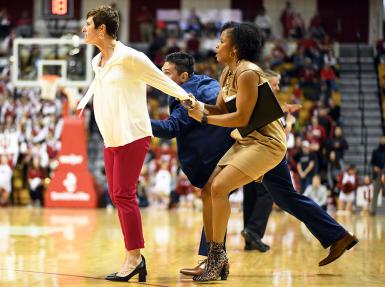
<point x="260" y="154"/>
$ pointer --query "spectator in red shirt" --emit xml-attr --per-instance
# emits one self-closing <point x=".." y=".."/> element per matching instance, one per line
<point x="164" y="153"/>
<point x="294" y="152"/>
<point x="307" y="75"/>
<point x="278" y="55"/>
<point x="53" y="149"/>
<point x="348" y="182"/>
<point x="326" y="121"/>
<point x="183" y="188"/>
<point x="328" y="82"/>
<point x="193" y="45"/>
<point x="317" y="132"/>
<point x="297" y="93"/>
<point x="287" y="17"/>
<point x="327" y="73"/>
<point x="297" y="30"/>
<point x="308" y="45"/>
<point x="308" y="80"/>
<point x="315" y="28"/>
<point x="315" y="21"/>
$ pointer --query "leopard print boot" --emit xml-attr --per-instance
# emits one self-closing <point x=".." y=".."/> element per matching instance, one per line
<point x="217" y="264"/>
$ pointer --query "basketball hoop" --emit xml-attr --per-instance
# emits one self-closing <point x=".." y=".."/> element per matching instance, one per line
<point x="49" y="85"/>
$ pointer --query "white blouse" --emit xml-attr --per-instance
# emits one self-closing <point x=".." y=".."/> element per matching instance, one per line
<point x="119" y="90"/>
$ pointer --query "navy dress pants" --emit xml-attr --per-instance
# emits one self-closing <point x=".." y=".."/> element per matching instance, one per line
<point x="257" y="206"/>
<point x="278" y="183"/>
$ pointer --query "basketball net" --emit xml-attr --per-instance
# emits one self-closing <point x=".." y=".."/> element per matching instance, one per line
<point x="49" y="85"/>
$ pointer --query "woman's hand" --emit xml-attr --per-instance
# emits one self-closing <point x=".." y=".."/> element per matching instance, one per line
<point x="290" y="108"/>
<point x="196" y="113"/>
<point x="190" y="103"/>
<point x="195" y="108"/>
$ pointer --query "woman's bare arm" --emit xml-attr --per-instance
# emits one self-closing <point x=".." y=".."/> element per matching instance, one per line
<point x="247" y="94"/>
<point x="219" y="107"/>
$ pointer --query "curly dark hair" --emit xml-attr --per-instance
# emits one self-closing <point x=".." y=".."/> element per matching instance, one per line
<point x="108" y="16"/>
<point x="247" y="39"/>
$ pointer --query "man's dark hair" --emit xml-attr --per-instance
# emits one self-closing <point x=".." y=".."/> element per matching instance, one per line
<point x="108" y="16"/>
<point x="183" y="62"/>
<point x="246" y="38"/>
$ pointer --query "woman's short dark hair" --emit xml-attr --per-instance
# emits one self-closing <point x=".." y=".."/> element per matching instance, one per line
<point x="247" y="39"/>
<point x="108" y="16"/>
<point x="183" y="62"/>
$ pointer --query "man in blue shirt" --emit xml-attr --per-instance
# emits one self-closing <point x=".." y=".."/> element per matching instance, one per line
<point x="200" y="147"/>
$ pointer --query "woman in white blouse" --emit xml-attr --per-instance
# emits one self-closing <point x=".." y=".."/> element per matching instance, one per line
<point x="120" y="106"/>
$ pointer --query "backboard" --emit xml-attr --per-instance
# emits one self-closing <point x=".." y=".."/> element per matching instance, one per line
<point x="70" y="59"/>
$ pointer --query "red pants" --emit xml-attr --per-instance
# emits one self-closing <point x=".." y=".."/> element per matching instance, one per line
<point x="123" y="165"/>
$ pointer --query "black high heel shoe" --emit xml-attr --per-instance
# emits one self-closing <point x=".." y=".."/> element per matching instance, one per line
<point x="141" y="269"/>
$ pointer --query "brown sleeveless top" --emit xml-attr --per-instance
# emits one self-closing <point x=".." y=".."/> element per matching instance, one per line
<point x="228" y="83"/>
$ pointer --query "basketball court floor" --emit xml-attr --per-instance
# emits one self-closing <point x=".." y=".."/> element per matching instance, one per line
<point x="78" y="247"/>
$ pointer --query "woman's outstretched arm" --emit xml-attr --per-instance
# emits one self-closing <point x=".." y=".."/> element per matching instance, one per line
<point x="246" y="99"/>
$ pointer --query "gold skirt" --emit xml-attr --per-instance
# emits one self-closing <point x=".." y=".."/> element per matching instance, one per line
<point x="254" y="155"/>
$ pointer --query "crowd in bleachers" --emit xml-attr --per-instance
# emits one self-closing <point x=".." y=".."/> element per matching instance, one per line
<point x="304" y="57"/>
<point x="30" y="127"/>
<point x="30" y="131"/>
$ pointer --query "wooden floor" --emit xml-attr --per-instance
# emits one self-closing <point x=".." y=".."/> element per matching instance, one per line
<point x="65" y="247"/>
